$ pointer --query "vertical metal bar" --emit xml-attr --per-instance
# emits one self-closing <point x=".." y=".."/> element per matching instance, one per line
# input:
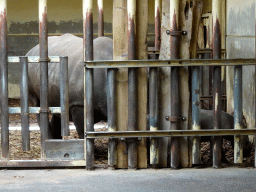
<point x="4" y="80"/>
<point x="100" y="18"/>
<point x="88" y="56"/>
<point x="174" y="43"/>
<point x="43" y="45"/>
<point x="255" y="94"/>
<point x="24" y="104"/>
<point x="111" y="97"/>
<point x="238" y="118"/>
<point x="216" y="46"/>
<point x="158" y="11"/>
<point x="196" y="148"/>
<point x="153" y="113"/>
<point x="64" y="96"/>
<point x="132" y="85"/>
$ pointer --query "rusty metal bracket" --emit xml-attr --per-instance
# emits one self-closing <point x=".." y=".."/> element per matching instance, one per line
<point x="175" y="119"/>
<point x="176" y="33"/>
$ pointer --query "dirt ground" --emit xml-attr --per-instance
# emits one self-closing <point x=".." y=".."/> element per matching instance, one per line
<point x="101" y="145"/>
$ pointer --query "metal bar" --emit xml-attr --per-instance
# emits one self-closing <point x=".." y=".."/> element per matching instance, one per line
<point x="170" y="63"/>
<point x="238" y="118"/>
<point x="216" y="47"/>
<point x="111" y="97"/>
<point x="174" y="44"/>
<point x="41" y="163"/>
<point x="4" y="80"/>
<point x="13" y="110"/>
<point x="64" y="96"/>
<point x="100" y="19"/>
<point x="88" y="56"/>
<point x="158" y="11"/>
<point x="132" y="84"/>
<point x="196" y="148"/>
<point x="25" y="134"/>
<point x="170" y="133"/>
<point x="43" y="46"/>
<point x="33" y="59"/>
<point x="255" y="94"/>
<point x="59" y="34"/>
<point x="153" y="115"/>
<point x="204" y="51"/>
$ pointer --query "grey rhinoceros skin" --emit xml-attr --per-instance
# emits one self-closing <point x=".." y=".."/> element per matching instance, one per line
<point x="71" y="46"/>
<point x="227" y="122"/>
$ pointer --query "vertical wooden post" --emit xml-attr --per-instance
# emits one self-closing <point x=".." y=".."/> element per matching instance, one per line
<point x="142" y="54"/>
<point x="216" y="47"/>
<point x="120" y="53"/>
<point x="132" y="85"/>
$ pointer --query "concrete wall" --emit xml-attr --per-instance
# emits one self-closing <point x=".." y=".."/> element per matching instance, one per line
<point x="241" y="44"/>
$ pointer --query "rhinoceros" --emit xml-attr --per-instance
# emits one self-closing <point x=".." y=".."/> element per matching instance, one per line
<point x="227" y="122"/>
<point x="71" y="46"/>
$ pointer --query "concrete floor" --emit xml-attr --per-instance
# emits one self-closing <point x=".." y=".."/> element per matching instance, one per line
<point x="208" y="179"/>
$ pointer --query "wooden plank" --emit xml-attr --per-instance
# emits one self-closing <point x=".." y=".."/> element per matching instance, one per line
<point x="164" y="83"/>
<point x="142" y="54"/>
<point x="120" y="53"/>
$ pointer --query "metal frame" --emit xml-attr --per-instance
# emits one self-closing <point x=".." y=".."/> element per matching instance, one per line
<point x="170" y="133"/>
<point x="25" y="110"/>
<point x="169" y="63"/>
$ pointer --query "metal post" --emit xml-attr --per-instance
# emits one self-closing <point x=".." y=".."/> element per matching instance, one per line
<point x="132" y="85"/>
<point x="174" y="40"/>
<point x="100" y="19"/>
<point x="238" y="118"/>
<point x="24" y="104"/>
<point x="64" y="96"/>
<point x="43" y="44"/>
<point x="255" y="95"/>
<point x="196" y="148"/>
<point x="88" y="56"/>
<point x="216" y="47"/>
<point x="111" y="96"/>
<point x="153" y="112"/>
<point x="158" y="11"/>
<point x="4" y="80"/>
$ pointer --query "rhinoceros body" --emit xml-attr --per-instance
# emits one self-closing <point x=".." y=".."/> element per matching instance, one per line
<point x="71" y="46"/>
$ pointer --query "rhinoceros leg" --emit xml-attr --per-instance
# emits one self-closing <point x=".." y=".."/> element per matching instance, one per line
<point x="77" y="114"/>
<point x="55" y="127"/>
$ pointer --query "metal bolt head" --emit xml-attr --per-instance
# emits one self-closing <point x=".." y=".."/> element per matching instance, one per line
<point x="168" y="32"/>
<point x="184" y="119"/>
<point x="167" y="118"/>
